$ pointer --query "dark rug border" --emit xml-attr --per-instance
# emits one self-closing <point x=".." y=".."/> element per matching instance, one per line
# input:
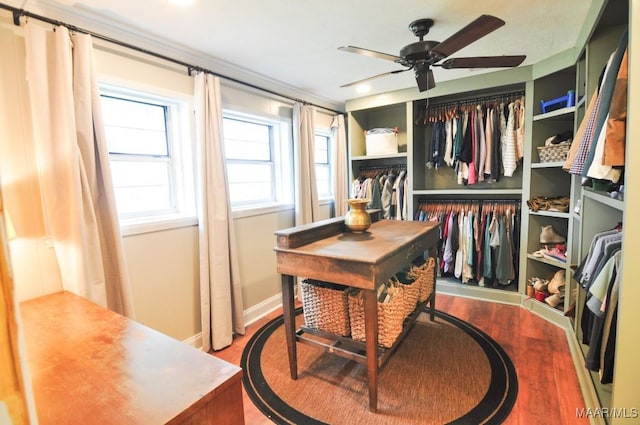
<point x="494" y="408"/>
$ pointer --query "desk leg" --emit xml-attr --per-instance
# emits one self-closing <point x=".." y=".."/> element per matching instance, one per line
<point x="371" y="333"/>
<point x="289" y="317"/>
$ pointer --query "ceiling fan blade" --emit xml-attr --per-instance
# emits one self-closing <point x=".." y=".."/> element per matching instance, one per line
<point x="397" y="71"/>
<point x="370" y="53"/>
<point x="467" y="35"/>
<point x="483" y="62"/>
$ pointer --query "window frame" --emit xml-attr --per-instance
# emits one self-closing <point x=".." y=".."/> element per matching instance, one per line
<point x="330" y="196"/>
<point x="281" y="157"/>
<point x="179" y="159"/>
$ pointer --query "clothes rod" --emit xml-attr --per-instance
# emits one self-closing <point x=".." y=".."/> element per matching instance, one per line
<point x="475" y="99"/>
<point x="18" y="13"/>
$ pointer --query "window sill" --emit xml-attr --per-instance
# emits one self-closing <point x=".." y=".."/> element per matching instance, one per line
<point x="243" y="212"/>
<point x="139" y="226"/>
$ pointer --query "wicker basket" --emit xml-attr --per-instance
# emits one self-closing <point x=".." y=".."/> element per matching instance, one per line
<point x="391" y="317"/>
<point x="410" y="288"/>
<point x="425" y="275"/>
<point x="554" y="153"/>
<point x="325" y="307"/>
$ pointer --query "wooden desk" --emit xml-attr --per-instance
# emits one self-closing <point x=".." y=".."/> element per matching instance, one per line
<point x="323" y="251"/>
<point x="89" y="365"/>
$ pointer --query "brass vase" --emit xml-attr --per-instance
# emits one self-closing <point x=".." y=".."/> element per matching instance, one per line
<point x="357" y="218"/>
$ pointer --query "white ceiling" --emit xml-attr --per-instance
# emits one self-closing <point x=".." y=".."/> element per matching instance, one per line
<point x="294" y="42"/>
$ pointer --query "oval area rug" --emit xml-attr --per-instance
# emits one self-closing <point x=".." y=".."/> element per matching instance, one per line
<point x="444" y="372"/>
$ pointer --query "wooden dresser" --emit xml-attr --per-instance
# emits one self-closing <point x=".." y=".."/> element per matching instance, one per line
<point x="89" y="365"/>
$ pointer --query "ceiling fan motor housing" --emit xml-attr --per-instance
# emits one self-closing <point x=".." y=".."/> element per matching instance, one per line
<point x="420" y="51"/>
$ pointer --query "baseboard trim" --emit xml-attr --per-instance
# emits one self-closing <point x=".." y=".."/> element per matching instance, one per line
<point x="195" y="341"/>
<point x="260" y="310"/>
<point x="249" y="316"/>
<point x="445" y="286"/>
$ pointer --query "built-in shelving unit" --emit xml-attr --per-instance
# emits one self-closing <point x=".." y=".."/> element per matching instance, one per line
<point x="547" y="179"/>
<point x="590" y="212"/>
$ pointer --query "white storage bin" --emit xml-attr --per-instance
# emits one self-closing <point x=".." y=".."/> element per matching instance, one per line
<point x="381" y="141"/>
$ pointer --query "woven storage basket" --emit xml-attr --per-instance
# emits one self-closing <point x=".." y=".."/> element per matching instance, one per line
<point x="554" y="153"/>
<point x="410" y="291"/>
<point x="425" y="275"/>
<point x="325" y="307"/>
<point x="391" y="317"/>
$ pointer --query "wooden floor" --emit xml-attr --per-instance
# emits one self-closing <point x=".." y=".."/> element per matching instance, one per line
<point x="548" y="393"/>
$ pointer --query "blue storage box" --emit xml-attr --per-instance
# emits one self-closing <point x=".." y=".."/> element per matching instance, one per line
<point x="565" y="101"/>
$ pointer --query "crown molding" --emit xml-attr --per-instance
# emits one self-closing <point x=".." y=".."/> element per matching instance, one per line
<point x="85" y="19"/>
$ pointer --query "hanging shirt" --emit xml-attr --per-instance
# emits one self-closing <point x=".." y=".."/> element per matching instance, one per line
<point x="518" y="110"/>
<point x="448" y="154"/>
<point x="509" y="155"/>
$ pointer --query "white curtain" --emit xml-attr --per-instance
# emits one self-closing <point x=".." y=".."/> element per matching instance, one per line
<point x="73" y="164"/>
<point x="220" y="292"/>
<point x="306" y="189"/>
<point x="340" y="176"/>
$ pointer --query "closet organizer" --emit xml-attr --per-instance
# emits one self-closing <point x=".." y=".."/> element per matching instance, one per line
<point x="597" y="160"/>
<point x="479" y="240"/>
<point x="468" y="178"/>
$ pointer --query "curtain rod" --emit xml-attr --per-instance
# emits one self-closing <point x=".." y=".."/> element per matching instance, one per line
<point x="18" y="13"/>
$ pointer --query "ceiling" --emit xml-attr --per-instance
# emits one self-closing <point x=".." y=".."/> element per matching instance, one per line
<point x="292" y="44"/>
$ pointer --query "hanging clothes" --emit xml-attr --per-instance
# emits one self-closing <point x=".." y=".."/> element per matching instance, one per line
<point x="386" y="189"/>
<point x="477" y="243"/>
<point x="602" y="132"/>
<point x="598" y="273"/>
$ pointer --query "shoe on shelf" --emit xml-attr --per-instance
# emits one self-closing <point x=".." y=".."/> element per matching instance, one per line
<point x="556" y="284"/>
<point x="539" y="253"/>
<point x="539" y="203"/>
<point x="554" y="299"/>
<point x="559" y="204"/>
<point x="557" y="253"/>
<point x="539" y="284"/>
<point x="549" y="236"/>
<point x="543" y="203"/>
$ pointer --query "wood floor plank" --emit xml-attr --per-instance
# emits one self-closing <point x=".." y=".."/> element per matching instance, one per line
<point x="548" y="387"/>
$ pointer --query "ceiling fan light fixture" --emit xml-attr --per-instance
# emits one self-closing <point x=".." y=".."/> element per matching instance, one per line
<point x="424" y="78"/>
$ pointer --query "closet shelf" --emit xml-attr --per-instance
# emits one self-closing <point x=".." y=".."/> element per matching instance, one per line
<point x="550" y="214"/>
<point x="368" y="157"/>
<point x="603" y="197"/>
<point x="557" y="164"/>
<point x="563" y="113"/>
<point x="558" y="264"/>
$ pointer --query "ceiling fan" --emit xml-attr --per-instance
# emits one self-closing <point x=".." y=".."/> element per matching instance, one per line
<point x="421" y="55"/>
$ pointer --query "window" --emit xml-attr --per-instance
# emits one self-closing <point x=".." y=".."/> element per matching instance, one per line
<point x="258" y="161"/>
<point x="149" y="154"/>
<point x="323" y="165"/>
